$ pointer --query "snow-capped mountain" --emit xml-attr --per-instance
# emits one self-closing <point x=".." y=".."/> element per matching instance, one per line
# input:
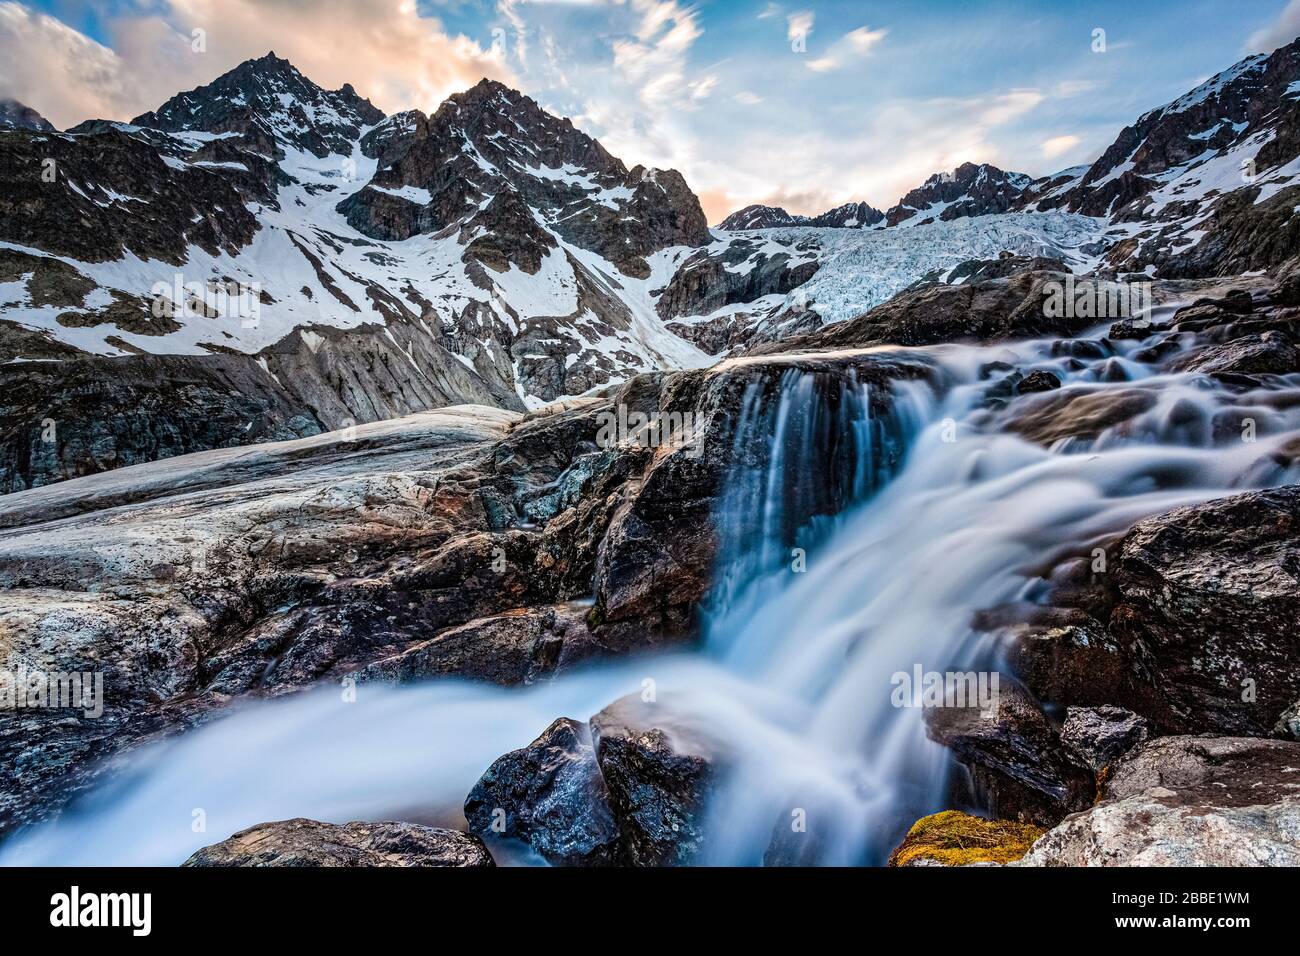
<point x="492" y="250"/>
<point x="969" y="190"/>
<point x="15" y="115"/>
<point x="852" y="215"/>
<point x="758" y="217"/>
<point x="1205" y="184"/>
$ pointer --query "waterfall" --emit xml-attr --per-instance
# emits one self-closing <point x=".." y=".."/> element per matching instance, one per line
<point x="861" y="533"/>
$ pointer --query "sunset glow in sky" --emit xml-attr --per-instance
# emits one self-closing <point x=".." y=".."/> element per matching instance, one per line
<point x="805" y="105"/>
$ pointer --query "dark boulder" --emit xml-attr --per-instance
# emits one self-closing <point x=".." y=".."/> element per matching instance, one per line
<point x="1207" y="598"/>
<point x="1097" y="736"/>
<point x="1018" y="767"/>
<point x="659" y="772"/>
<point x="1038" y="381"/>
<point x="552" y="796"/>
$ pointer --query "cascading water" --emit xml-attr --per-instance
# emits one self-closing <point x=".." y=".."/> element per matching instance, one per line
<point x="913" y="511"/>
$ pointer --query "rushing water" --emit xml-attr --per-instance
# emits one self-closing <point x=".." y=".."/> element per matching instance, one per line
<point x="861" y="546"/>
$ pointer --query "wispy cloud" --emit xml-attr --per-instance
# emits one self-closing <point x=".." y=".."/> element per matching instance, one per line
<point x="1058" y="145"/>
<point x="1278" y="33"/>
<point x="854" y="45"/>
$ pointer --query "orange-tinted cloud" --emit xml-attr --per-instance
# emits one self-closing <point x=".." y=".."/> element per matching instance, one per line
<point x="382" y="47"/>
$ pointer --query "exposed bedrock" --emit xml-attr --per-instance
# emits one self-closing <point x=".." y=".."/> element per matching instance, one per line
<point x="1188" y="801"/>
<point x="301" y="842"/>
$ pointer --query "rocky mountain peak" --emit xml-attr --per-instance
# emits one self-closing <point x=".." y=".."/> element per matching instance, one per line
<point x="16" y="115"/>
<point x="972" y="189"/>
<point x="269" y="94"/>
<point x="491" y="137"/>
<point x="758" y="216"/>
<point x="851" y="215"/>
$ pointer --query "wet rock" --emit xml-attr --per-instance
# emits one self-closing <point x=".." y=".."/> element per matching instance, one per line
<point x="1269" y="353"/>
<point x="1038" y="381"/>
<point x="1069" y="663"/>
<point x="518" y="647"/>
<point x="1207" y="599"/>
<point x="1188" y="801"/>
<point x="1134" y="329"/>
<point x="1097" y="736"/>
<point x="552" y="796"/>
<point x="953" y="838"/>
<point x="1018" y="767"/>
<point x="1079" y="413"/>
<point x="302" y="842"/>
<point x="659" y="770"/>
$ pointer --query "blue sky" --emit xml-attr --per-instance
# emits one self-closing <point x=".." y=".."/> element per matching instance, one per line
<point x="803" y="104"/>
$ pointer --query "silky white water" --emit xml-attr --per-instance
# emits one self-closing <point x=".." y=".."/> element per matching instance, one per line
<point x="940" y="513"/>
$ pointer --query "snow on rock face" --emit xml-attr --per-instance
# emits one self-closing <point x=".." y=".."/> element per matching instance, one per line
<point x="15" y="115"/>
<point x="513" y="277"/>
<point x="851" y="215"/>
<point x="1199" y="178"/>
<point x="969" y="190"/>
<point x="490" y="139"/>
<point x="270" y="94"/>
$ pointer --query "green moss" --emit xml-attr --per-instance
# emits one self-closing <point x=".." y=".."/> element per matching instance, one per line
<point x="954" y="838"/>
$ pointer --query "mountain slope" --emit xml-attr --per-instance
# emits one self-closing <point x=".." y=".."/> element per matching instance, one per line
<point x="969" y="190"/>
<point x="1207" y="183"/>
<point x="346" y="266"/>
<point x="15" y="115"/>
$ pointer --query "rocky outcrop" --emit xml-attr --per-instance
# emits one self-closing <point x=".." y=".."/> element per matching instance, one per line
<point x="953" y="838"/>
<point x="987" y="311"/>
<point x="93" y="413"/>
<point x="101" y="179"/>
<point x="521" y="646"/>
<point x="301" y="842"/>
<point x="1205" y="607"/>
<point x="1018" y="766"/>
<point x="552" y="796"/>
<point x="65" y="419"/>
<point x="1188" y="801"/>
<point x="743" y="271"/>
<point x="658" y="772"/>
